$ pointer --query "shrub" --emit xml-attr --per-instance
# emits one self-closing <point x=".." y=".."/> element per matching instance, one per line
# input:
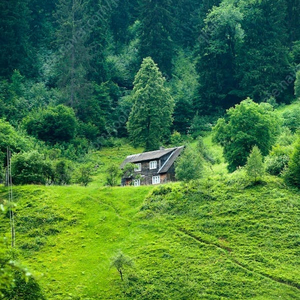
<point x="9" y="137"/>
<point x="54" y="124"/>
<point x="62" y="172"/>
<point x="278" y="159"/>
<point x="83" y="175"/>
<point x="189" y="166"/>
<point x="31" y="168"/>
<point x="112" y="175"/>
<point x="293" y="173"/>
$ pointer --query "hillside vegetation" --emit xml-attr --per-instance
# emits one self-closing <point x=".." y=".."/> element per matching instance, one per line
<point x="211" y="239"/>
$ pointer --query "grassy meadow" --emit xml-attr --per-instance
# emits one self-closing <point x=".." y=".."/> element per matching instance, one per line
<point x="216" y="238"/>
<point x="211" y="239"/>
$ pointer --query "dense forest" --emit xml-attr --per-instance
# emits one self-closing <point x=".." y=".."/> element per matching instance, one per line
<point x="85" y="55"/>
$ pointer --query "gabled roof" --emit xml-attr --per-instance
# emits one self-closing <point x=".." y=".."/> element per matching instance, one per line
<point x="170" y="161"/>
<point x="152" y="155"/>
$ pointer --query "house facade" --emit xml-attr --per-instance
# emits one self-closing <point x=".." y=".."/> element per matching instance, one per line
<point x="153" y="167"/>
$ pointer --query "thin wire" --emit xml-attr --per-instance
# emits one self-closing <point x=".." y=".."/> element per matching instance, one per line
<point x="10" y="198"/>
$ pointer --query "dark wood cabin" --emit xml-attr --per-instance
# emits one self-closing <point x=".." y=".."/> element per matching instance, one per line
<point x="153" y="167"/>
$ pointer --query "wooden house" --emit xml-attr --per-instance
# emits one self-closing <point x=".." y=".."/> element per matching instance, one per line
<point x="153" y="167"/>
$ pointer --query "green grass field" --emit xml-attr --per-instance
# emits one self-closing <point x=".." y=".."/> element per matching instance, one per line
<point x="208" y="240"/>
<point x="216" y="238"/>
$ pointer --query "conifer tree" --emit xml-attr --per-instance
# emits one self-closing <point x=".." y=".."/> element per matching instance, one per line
<point x="157" y="24"/>
<point x="73" y="55"/>
<point x="255" y="166"/>
<point x="151" y="115"/>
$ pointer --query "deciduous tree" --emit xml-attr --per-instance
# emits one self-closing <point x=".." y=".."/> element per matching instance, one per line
<point x="244" y="126"/>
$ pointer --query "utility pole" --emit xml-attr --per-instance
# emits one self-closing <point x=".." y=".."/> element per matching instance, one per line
<point x="10" y="197"/>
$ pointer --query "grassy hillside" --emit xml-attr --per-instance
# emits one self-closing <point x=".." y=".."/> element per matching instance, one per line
<point x="214" y="239"/>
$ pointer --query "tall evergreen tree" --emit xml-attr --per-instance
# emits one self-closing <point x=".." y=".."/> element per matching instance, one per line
<point x="293" y="20"/>
<point x="151" y="115"/>
<point x="14" y="38"/>
<point x="73" y="56"/>
<point x="157" y="25"/>
<point x="262" y="60"/>
<point x="218" y="44"/>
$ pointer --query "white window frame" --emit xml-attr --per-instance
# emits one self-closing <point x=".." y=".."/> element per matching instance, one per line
<point x="153" y="165"/>
<point x="137" y="182"/>
<point x="156" y="179"/>
<point x="138" y="167"/>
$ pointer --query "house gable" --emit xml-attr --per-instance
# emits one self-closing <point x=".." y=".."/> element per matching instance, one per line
<point x="153" y="167"/>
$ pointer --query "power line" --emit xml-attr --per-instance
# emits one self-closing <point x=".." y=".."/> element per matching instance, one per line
<point x="10" y="197"/>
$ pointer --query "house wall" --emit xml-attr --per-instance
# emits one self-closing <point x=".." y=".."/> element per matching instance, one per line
<point x="147" y="174"/>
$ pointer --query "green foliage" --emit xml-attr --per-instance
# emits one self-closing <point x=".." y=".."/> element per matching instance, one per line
<point x="113" y="175"/>
<point x="151" y="115"/>
<point x="62" y="172"/>
<point x="291" y="119"/>
<point x="23" y="289"/>
<point x="189" y="166"/>
<point x="155" y="37"/>
<point x="255" y="166"/>
<point x="31" y="168"/>
<point x="9" y="137"/>
<point x="293" y="172"/>
<point x="120" y="262"/>
<point x="166" y="232"/>
<point x="176" y="138"/>
<point x="262" y="60"/>
<point x="183" y="86"/>
<point x="297" y="85"/>
<point x="54" y="124"/>
<point x="220" y="41"/>
<point x="200" y="125"/>
<point x="84" y="175"/>
<point x="244" y="126"/>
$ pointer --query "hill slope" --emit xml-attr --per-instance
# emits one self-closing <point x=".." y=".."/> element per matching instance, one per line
<point x="207" y="240"/>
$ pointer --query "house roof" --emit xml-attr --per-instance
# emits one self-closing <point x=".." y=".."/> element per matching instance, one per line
<point x="170" y="161"/>
<point x="152" y="155"/>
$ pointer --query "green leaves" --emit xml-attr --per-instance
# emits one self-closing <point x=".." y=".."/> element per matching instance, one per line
<point x="246" y="125"/>
<point x="255" y="167"/>
<point x="151" y="114"/>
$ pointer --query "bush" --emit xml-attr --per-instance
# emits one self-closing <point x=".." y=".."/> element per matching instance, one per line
<point x="54" y="124"/>
<point x="83" y="175"/>
<point x="9" y="137"/>
<point x="62" y="172"/>
<point x="293" y="172"/>
<point x="189" y="166"/>
<point x="23" y="289"/>
<point x="278" y="159"/>
<point x="292" y="119"/>
<point x="31" y="168"/>
<point x="113" y="175"/>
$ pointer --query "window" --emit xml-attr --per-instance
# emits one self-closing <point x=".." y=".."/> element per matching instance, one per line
<point x="156" y="179"/>
<point x="153" y="165"/>
<point x="138" y="167"/>
<point x="136" y="182"/>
